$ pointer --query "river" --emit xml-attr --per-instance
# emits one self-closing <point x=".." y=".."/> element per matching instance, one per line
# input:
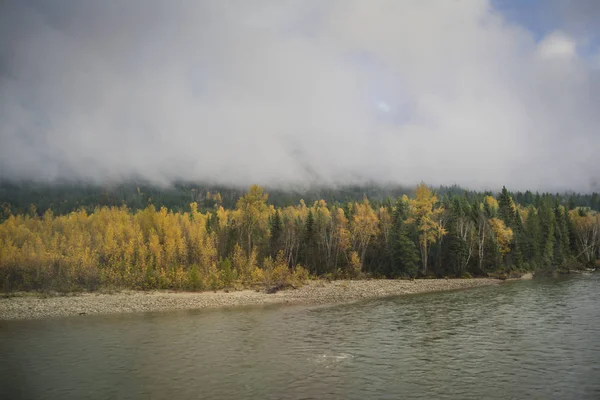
<point x="535" y="339"/>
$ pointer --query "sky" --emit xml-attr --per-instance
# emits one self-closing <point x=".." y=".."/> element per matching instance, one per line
<point x="480" y="93"/>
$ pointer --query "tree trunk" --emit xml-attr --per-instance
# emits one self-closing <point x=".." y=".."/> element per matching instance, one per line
<point x="249" y="243"/>
<point x="424" y="256"/>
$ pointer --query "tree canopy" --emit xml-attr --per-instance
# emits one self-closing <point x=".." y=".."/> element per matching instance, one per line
<point x="208" y="244"/>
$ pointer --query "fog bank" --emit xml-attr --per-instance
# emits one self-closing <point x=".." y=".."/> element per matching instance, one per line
<point x="298" y="92"/>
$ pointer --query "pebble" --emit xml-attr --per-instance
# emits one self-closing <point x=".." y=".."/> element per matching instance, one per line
<point x="28" y="306"/>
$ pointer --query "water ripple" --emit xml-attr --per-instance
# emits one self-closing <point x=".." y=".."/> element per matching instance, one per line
<point x="535" y="339"/>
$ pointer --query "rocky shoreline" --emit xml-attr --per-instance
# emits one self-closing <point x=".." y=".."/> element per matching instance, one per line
<point x="30" y="306"/>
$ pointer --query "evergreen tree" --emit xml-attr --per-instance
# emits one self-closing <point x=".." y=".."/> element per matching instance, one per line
<point x="595" y="202"/>
<point x="506" y="208"/>
<point x="547" y="228"/>
<point x="493" y="256"/>
<point x="507" y="211"/>
<point x="561" y="235"/>
<point x="308" y="244"/>
<point x="571" y="203"/>
<point x="532" y="239"/>
<point x="461" y="239"/>
<point x="404" y="255"/>
<point x="405" y="252"/>
<point x="275" y="240"/>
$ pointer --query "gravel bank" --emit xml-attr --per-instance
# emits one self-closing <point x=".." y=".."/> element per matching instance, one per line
<point x="317" y="292"/>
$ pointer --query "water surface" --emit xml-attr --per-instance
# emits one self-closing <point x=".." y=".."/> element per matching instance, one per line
<point x="530" y="339"/>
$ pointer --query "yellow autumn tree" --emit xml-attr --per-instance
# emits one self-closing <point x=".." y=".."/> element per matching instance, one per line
<point x="364" y="226"/>
<point x="424" y="214"/>
<point x="252" y="216"/>
<point x="490" y="205"/>
<point x="586" y="227"/>
<point x="337" y="240"/>
<point x="502" y="233"/>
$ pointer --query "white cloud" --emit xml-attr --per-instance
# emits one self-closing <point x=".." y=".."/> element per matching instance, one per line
<point x="383" y="106"/>
<point x="557" y="45"/>
<point x="271" y="92"/>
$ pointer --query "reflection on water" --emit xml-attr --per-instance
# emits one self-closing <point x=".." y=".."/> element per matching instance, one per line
<point x="534" y="339"/>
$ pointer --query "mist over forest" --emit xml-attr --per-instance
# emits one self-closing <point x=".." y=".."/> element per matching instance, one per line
<point x="288" y="93"/>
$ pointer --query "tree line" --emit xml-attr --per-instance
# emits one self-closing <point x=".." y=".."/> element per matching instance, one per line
<point x="256" y="243"/>
<point x="35" y="198"/>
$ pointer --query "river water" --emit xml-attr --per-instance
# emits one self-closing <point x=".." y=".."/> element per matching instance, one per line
<point x="530" y="339"/>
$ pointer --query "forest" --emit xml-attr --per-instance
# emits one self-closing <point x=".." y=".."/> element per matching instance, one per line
<point x="214" y="242"/>
<point x="62" y="197"/>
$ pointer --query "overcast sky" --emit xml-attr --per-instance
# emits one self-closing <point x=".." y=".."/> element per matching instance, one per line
<point x="474" y="92"/>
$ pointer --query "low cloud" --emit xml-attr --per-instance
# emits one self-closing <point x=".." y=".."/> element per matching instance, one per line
<point x="295" y="92"/>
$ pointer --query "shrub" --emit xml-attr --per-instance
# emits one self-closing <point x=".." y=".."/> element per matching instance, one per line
<point x="257" y="276"/>
<point x="301" y="274"/>
<point x="194" y="281"/>
<point x="227" y="274"/>
<point x="354" y="270"/>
